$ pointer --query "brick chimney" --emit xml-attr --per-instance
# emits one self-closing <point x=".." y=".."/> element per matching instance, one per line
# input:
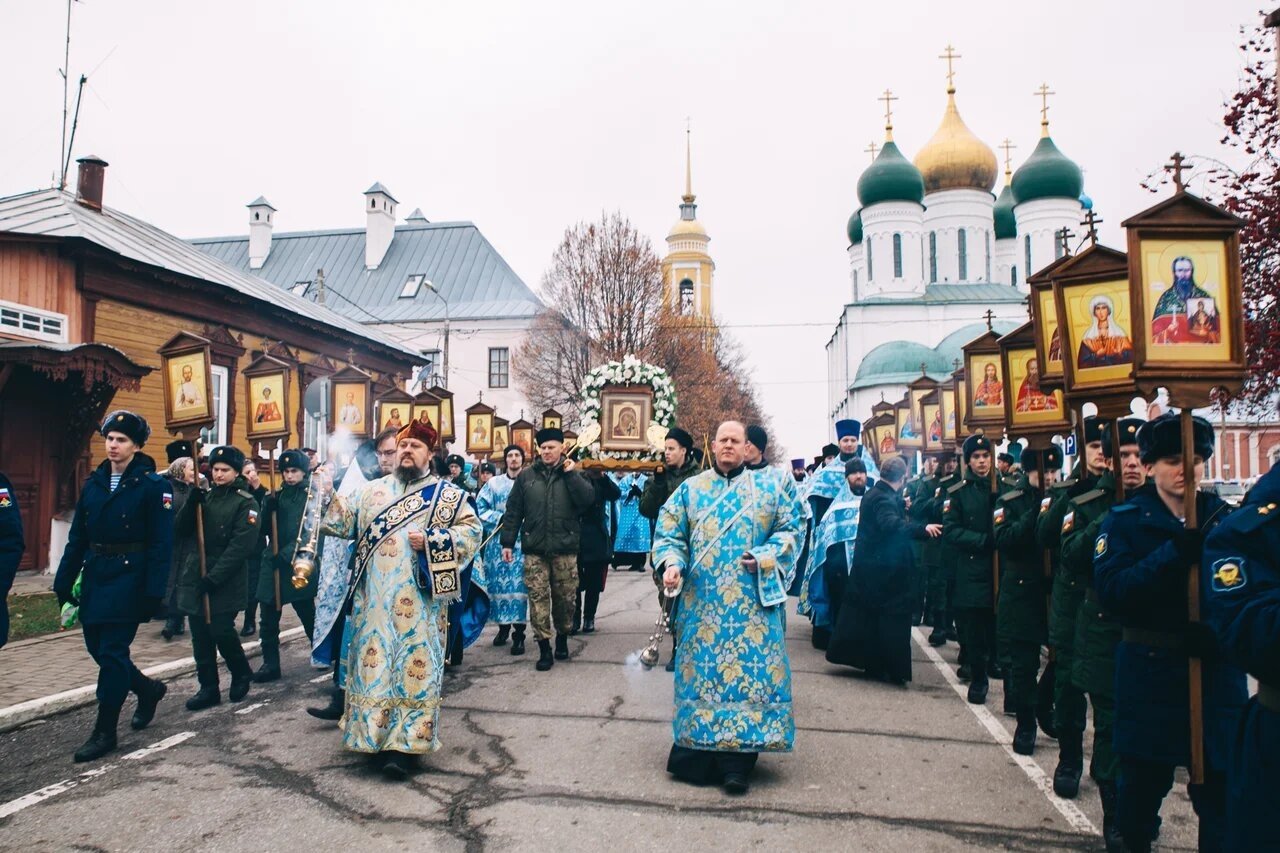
<point x="380" y="224"/>
<point x="89" y="184"/>
<point x="260" y="215"/>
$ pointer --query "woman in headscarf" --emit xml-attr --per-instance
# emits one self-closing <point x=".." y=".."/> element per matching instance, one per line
<point x="181" y="475"/>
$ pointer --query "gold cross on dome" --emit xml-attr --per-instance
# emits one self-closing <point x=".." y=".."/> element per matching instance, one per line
<point x="1008" y="146"/>
<point x="872" y="149"/>
<point x="888" y="98"/>
<point x="1043" y="94"/>
<point x="950" y="56"/>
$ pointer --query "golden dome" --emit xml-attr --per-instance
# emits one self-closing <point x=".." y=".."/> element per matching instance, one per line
<point x="954" y="158"/>
<point x="687" y="227"/>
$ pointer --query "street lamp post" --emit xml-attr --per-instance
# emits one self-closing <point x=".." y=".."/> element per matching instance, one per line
<point x="432" y="287"/>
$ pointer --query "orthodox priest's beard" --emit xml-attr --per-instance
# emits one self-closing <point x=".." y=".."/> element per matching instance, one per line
<point x="409" y="473"/>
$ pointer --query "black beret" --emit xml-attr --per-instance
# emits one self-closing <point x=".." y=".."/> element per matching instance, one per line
<point x="975" y="442"/>
<point x="548" y="434"/>
<point x="455" y="459"/>
<point x="680" y="437"/>
<point x="227" y="455"/>
<point x="1094" y="427"/>
<point x="757" y="436"/>
<point x="855" y="466"/>
<point x="130" y="424"/>
<point x="1163" y="437"/>
<point x="1128" y="434"/>
<point x="830" y="450"/>
<point x="515" y="447"/>
<point x="1031" y="459"/>
<point x="294" y="459"/>
<point x="175" y="450"/>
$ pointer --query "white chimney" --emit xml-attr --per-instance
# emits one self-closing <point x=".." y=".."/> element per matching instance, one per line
<point x="260" y="213"/>
<point x="380" y="212"/>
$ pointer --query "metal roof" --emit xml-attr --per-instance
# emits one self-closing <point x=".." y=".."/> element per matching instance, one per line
<point x="379" y="188"/>
<point x="952" y="293"/>
<point x="55" y="213"/>
<point x="454" y="256"/>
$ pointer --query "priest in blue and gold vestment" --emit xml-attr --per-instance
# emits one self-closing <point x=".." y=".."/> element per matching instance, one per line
<point x="730" y="539"/>
<point x="414" y="533"/>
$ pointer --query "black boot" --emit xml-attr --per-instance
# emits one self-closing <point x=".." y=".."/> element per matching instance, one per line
<point x="995" y="670"/>
<point x="240" y="682"/>
<point x="938" y="636"/>
<point x="978" y="691"/>
<point x="589" y="607"/>
<point x="504" y="631"/>
<point x="517" y="640"/>
<point x="172" y="627"/>
<point x="1024" y="736"/>
<point x="455" y="651"/>
<point x="332" y="711"/>
<point x="208" y="695"/>
<point x="821" y="638"/>
<point x="562" y="647"/>
<point x="577" y="615"/>
<point x="148" y="699"/>
<point x="267" y="672"/>
<point x="671" y="664"/>
<point x="545" y="661"/>
<point x="1066" y="778"/>
<point x="963" y="672"/>
<point x="399" y="766"/>
<point x="1010" y="709"/>
<point x="103" y="738"/>
<point x="1110" y="833"/>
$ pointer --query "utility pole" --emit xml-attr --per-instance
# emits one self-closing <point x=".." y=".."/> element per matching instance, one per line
<point x="66" y="83"/>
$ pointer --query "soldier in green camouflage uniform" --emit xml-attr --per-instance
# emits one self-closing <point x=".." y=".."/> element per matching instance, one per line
<point x="918" y="494"/>
<point x="1093" y="666"/>
<point x="966" y="529"/>
<point x="942" y="577"/>
<point x="1021" y="616"/>
<point x="1069" y="709"/>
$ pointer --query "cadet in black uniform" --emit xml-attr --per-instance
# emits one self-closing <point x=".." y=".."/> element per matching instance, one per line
<point x="1241" y="589"/>
<point x="1141" y="561"/>
<point x="230" y="540"/>
<point x="12" y="545"/>
<point x="121" y="540"/>
<point x="966" y="528"/>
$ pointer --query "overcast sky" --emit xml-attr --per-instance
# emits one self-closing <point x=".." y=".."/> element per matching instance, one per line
<point x="526" y="117"/>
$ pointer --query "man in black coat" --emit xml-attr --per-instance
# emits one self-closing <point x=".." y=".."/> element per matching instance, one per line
<point x="121" y="540"/>
<point x="885" y="584"/>
<point x="12" y="544"/>
<point x="595" y="549"/>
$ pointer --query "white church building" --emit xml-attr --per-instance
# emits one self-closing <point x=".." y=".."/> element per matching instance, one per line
<point x="932" y="249"/>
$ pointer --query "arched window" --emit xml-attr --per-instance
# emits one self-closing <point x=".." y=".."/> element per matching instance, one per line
<point x="871" y="270"/>
<point x="962" y="247"/>
<point x="897" y="256"/>
<point x="686" y="297"/>
<point x="1026" y="247"/>
<point x="1013" y="275"/>
<point x="933" y="256"/>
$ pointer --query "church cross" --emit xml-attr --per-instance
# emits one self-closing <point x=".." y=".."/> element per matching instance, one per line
<point x="950" y="56"/>
<point x="989" y="316"/>
<point x="872" y="148"/>
<point x="1091" y="221"/>
<point x="351" y="356"/>
<point x="888" y="98"/>
<point x="924" y="369"/>
<point x="1064" y="235"/>
<point x="955" y="363"/>
<point x="1176" y="168"/>
<point x="1008" y="146"/>
<point x="1043" y="94"/>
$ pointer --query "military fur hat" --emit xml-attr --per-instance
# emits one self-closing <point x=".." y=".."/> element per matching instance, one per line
<point x="1031" y="459"/>
<point x="757" y="436"/>
<point x="1128" y="434"/>
<point x="974" y="443"/>
<point x="829" y="450"/>
<point x="175" y="450"/>
<point x="488" y="468"/>
<point x="455" y="459"/>
<point x="548" y="434"/>
<point x="129" y="424"/>
<point x="294" y="459"/>
<point x="1163" y="437"/>
<point x="680" y="437"/>
<point x="1094" y="427"/>
<point x="227" y="455"/>
<point x="1006" y="458"/>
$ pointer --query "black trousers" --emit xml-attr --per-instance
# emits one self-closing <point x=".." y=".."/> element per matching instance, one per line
<point x="336" y="649"/>
<point x="1142" y="787"/>
<point x="591" y="576"/>
<point x="269" y="627"/>
<point x="108" y="645"/>
<point x="706" y="766"/>
<point x="978" y="637"/>
<point x="218" y="637"/>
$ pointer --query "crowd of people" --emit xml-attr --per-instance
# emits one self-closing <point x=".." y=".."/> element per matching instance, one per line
<point x="1072" y="591"/>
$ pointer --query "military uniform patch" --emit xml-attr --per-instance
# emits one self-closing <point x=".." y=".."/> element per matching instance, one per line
<point x="5" y="500"/>
<point x="998" y="515"/>
<point x="1100" y="547"/>
<point x="253" y="516"/>
<point x="166" y="500"/>
<point x="1229" y="574"/>
<point x="1044" y="504"/>
<point x="1068" y="522"/>
<point x="946" y="506"/>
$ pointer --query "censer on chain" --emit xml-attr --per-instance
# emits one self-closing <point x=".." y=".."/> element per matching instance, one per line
<point x="649" y="654"/>
<point x="304" y="555"/>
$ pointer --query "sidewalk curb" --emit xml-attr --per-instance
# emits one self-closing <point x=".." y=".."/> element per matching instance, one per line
<point x="78" y="697"/>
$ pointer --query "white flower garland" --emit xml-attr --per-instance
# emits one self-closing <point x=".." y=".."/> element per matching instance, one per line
<point x="629" y="371"/>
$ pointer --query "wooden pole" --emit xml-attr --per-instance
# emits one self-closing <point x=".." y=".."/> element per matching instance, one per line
<point x="995" y="552"/>
<point x="1194" y="669"/>
<point x="1115" y="460"/>
<point x="204" y="568"/>
<point x="275" y="531"/>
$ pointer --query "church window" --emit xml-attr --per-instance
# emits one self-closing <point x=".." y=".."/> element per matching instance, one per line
<point x="987" y="234"/>
<point x="962" y="247"/>
<point x="1013" y="275"/>
<point x="897" y="256"/>
<point x="1057" y="248"/>
<point x="686" y="297"/>
<point x="933" y="256"/>
<point x="871" y="270"/>
<point x="1026" y="247"/>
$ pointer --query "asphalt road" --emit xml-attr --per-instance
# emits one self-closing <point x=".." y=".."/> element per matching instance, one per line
<point x="572" y="759"/>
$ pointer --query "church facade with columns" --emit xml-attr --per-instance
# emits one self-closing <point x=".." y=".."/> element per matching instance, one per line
<point x="932" y="248"/>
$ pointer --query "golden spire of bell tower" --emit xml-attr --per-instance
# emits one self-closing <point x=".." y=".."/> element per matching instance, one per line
<point x="687" y="268"/>
<point x="688" y="197"/>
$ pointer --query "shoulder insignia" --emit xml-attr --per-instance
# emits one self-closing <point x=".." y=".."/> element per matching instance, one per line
<point x="1010" y="481"/>
<point x="166" y="500"/>
<point x="1045" y="503"/>
<point x="1068" y="522"/>
<point x="1124" y="508"/>
<point x="998" y="515"/>
<point x="1063" y="484"/>
<point x="1092" y="494"/>
<point x="253" y="516"/>
<point x="6" y="500"/>
<point x="1229" y="574"/>
<point x="937" y="493"/>
<point x="1100" y="547"/>
<point x="1267" y="509"/>
<point x="1008" y="496"/>
<point x="242" y="493"/>
<point x="951" y="490"/>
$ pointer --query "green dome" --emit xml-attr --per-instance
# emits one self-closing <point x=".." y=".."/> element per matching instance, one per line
<point x="1003" y="210"/>
<point x="898" y="362"/>
<point x="854" y="228"/>
<point x="891" y="177"/>
<point x="1047" y="173"/>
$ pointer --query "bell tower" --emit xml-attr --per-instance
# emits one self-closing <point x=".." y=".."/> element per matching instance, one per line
<point x="687" y="270"/>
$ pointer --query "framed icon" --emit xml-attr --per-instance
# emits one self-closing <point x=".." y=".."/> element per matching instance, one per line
<point x="188" y="384"/>
<point x="625" y="414"/>
<point x="267" y="389"/>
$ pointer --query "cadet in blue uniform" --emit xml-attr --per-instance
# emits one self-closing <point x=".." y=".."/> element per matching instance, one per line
<point x="121" y="539"/>
<point x="1141" y="560"/>
<point x="12" y="545"/>
<point x="1241" y="588"/>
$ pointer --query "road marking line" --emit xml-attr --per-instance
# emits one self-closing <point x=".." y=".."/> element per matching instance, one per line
<point x="15" y="806"/>
<point x="1069" y="810"/>
<point x="248" y="709"/>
